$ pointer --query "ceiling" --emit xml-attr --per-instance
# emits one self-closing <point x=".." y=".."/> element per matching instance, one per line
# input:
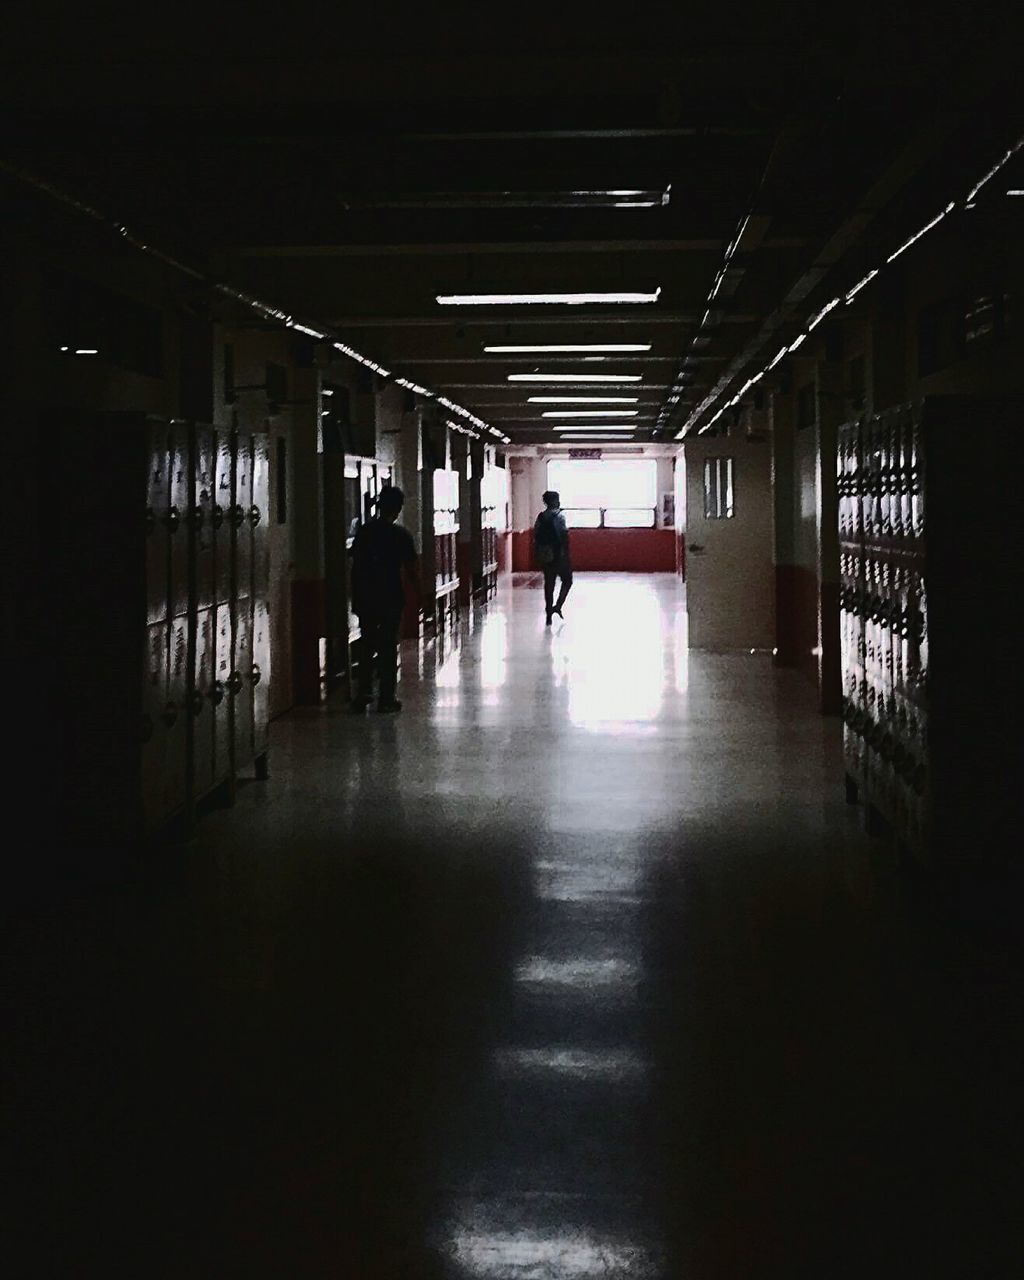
<point x="351" y="171"/>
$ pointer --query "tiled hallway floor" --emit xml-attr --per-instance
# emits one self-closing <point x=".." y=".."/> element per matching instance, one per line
<point x="579" y="968"/>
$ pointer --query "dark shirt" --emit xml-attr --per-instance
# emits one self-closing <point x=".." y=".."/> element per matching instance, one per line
<point x="551" y="537"/>
<point x="380" y="551"/>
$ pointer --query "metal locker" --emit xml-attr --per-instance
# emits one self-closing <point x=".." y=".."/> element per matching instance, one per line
<point x="175" y="717"/>
<point x="260" y="674"/>
<point x="153" y="730"/>
<point x="240" y="687"/>
<point x="177" y="516"/>
<point x="259" y="514"/>
<point x="240" y="521"/>
<point x="222" y="501"/>
<point x="219" y="699"/>
<point x="158" y="498"/>
<point x="201" y="701"/>
<point x="203" y="490"/>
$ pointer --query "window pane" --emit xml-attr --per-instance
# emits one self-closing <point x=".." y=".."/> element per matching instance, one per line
<point x="582" y="517"/>
<point x="631" y="482"/>
<point x="629" y="518"/>
<point x="718" y="489"/>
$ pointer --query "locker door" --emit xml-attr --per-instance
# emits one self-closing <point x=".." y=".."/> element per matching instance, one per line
<point x="158" y="499"/>
<point x="177" y="516"/>
<point x="260" y="674"/>
<point x="204" y="482"/>
<point x="259" y="514"/>
<point x="175" y="717"/>
<point x="221" y="517"/>
<point x="240" y="521"/>
<point x="201" y="705"/>
<point x="219" y="699"/>
<point x="240" y="686"/>
<point x="153" y="730"/>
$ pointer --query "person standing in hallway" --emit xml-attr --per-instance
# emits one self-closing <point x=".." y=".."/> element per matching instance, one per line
<point x="551" y="552"/>
<point x="383" y="564"/>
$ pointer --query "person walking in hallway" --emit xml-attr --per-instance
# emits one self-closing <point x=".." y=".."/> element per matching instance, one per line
<point x="383" y="564"/>
<point x="551" y="551"/>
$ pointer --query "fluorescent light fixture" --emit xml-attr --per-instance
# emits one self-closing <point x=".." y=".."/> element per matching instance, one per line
<point x="415" y="386"/>
<point x="353" y="354"/>
<point x="1015" y="192"/>
<point x="782" y="354"/>
<point x="860" y="285"/>
<point x="796" y="343"/>
<point x="326" y="391"/>
<point x="565" y="348"/>
<point x="65" y="348"/>
<point x="816" y="320"/>
<point x="924" y="230"/>
<point x="973" y="194"/>
<point x="574" y="377"/>
<point x="541" y="299"/>
<point x="304" y="328"/>
<point x="583" y="400"/>
<point x="580" y="435"/>
<point x="590" y="413"/>
<point x="86" y="351"/>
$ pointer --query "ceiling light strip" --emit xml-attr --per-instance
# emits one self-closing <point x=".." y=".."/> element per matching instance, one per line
<point x="261" y="308"/>
<point x="574" y="377"/>
<point x="567" y="348"/>
<point x="543" y="299"/>
<point x="919" y="235"/>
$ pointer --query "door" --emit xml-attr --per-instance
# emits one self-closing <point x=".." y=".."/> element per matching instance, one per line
<point x="241" y="515"/>
<point x="177" y="517"/>
<point x="153" y="729"/>
<point x="730" y="575"/>
<point x="202" y="516"/>
<point x="176" y="716"/>
<point x="219" y="693"/>
<point x="201" y="705"/>
<point x="260" y="677"/>
<point x="240" y="684"/>
<point x="222" y="517"/>
<point x="158" y="498"/>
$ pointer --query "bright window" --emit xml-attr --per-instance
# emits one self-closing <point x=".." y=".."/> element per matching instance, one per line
<point x="615" y="494"/>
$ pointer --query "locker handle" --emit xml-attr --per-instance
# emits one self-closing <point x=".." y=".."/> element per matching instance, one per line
<point x="195" y="702"/>
<point x="173" y="517"/>
<point x="256" y="674"/>
<point x="234" y="682"/>
<point x="218" y="516"/>
<point x="197" y="517"/>
<point x="237" y="515"/>
<point x="254" y="514"/>
<point x="217" y="693"/>
<point x="170" y="714"/>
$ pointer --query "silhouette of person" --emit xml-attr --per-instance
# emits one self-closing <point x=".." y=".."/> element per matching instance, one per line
<point x="383" y="564"/>
<point x="551" y="553"/>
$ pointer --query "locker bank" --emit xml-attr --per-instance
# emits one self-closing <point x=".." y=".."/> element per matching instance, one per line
<point x="673" y="935"/>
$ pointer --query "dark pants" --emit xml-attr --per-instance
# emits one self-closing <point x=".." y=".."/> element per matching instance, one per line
<point x="378" y="645"/>
<point x="562" y="570"/>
